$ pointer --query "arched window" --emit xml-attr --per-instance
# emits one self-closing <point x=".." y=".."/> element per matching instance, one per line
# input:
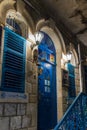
<point x="15" y="26"/>
<point x="14" y="55"/>
<point x="16" y="23"/>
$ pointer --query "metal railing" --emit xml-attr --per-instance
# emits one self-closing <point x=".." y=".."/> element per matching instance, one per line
<point x="75" y="117"/>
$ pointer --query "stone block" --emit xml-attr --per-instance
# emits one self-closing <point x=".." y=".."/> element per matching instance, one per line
<point x="35" y="70"/>
<point x="77" y="76"/>
<point x="65" y="92"/>
<point x="34" y="88"/>
<point x="28" y="87"/>
<point x="77" y="70"/>
<point x="33" y="128"/>
<point x="28" y="52"/>
<point x="21" y="109"/>
<point x="1" y="109"/>
<point x="15" y="123"/>
<point x="77" y="83"/>
<point x="65" y="100"/>
<point x="29" y="70"/>
<point x="78" y="88"/>
<point x="27" y="78"/>
<point x="32" y="98"/>
<point x="26" y="121"/>
<point x="10" y="109"/>
<point x="24" y="129"/>
<point x="4" y="123"/>
<point x="30" y="79"/>
<point x="34" y="120"/>
<point x="32" y="110"/>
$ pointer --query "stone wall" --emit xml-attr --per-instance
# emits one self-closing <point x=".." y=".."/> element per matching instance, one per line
<point x="65" y="99"/>
<point x="31" y="88"/>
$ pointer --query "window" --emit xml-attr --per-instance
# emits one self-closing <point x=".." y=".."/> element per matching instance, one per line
<point x="13" y="66"/>
<point x="72" y="91"/>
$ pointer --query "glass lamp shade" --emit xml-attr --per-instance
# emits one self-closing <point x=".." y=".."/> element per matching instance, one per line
<point x="69" y="56"/>
<point x="38" y="37"/>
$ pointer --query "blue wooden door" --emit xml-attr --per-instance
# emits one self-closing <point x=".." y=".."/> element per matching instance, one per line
<point x="47" y="107"/>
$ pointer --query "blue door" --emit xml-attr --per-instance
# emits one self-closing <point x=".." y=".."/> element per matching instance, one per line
<point x="47" y="106"/>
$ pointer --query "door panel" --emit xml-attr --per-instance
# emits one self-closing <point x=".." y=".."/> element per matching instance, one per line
<point x="44" y="98"/>
<point x="47" y="99"/>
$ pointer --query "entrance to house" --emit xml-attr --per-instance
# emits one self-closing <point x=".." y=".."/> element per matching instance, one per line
<point x="47" y="105"/>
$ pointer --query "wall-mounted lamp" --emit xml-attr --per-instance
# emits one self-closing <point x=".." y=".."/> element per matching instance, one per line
<point x="69" y="54"/>
<point x="38" y="38"/>
<point x="66" y="59"/>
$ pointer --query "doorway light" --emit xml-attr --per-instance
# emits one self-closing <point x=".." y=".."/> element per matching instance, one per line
<point x="38" y="38"/>
<point x="69" y="55"/>
<point x="31" y="37"/>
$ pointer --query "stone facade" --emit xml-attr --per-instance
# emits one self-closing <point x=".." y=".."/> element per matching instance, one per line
<point x="23" y="115"/>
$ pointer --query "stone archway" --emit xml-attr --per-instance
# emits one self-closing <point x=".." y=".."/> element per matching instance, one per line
<point x="6" y="6"/>
<point x="50" y="29"/>
<point x="75" y="62"/>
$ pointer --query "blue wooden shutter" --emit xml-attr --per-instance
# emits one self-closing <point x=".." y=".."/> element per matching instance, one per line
<point x="72" y="91"/>
<point x="13" y="66"/>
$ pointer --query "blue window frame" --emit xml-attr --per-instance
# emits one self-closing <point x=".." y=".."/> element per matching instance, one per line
<point x="72" y="90"/>
<point x="15" y="25"/>
<point x="13" y="66"/>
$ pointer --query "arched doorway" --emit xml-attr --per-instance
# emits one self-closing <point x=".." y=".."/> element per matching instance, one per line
<point x="47" y="104"/>
<point x="50" y="29"/>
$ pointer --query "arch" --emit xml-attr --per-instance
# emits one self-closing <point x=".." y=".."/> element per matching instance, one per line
<point x="75" y="56"/>
<point x="16" y="22"/>
<point x="50" y="24"/>
<point x="50" y="29"/>
<point x="7" y="6"/>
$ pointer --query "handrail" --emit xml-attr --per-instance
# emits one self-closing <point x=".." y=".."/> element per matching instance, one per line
<point x="75" y="115"/>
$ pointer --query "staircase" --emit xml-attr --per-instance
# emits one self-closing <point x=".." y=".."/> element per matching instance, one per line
<point x="75" y="117"/>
